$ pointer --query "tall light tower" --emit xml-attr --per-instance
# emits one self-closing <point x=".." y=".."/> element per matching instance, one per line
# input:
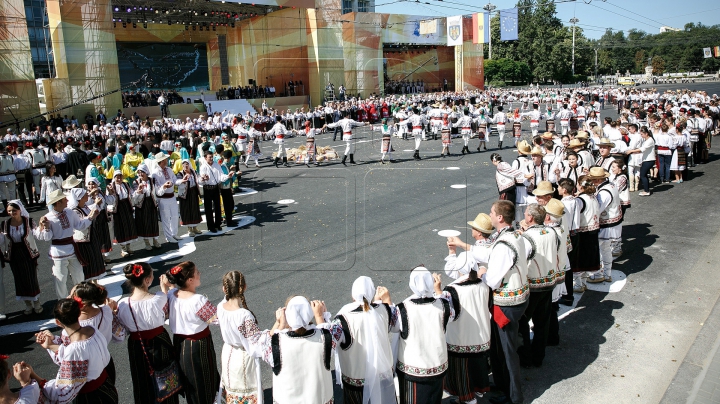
<point x="490" y="8"/>
<point x="573" y="21"/>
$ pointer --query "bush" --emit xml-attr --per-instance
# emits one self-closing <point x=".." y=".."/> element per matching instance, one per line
<point x="497" y="83"/>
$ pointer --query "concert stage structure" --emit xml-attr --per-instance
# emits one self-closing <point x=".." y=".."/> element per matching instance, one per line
<point x="100" y="45"/>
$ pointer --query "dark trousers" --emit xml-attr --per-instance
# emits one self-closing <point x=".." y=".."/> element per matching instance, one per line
<point x="338" y="130"/>
<point x="211" y="200"/>
<point x="701" y="146"/>
<point x="644" y="170"/>
<point x="553" y="337"/>
<point x="538" y="310"/>
<point x="228" y="203"/>
<point x="504" y="358"/>
<point x="665" y="161"/>
<point x="569" y="283"/>
<point x="26" y="185"/>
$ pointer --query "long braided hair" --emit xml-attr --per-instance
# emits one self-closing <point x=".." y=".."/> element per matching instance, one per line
<point x="234" y="286"/>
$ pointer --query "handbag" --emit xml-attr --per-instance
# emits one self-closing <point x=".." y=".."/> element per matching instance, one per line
<point x="167" y="380"/>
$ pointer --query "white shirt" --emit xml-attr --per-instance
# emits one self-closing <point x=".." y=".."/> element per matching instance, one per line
<point x="61" y="225"/>
<point x="149" y="313"/>
<point x="237" y="326"/>
<point x="190" y="316"/>
<point x="214" y="173"/>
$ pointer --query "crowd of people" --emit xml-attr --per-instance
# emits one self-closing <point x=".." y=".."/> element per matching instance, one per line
<point x="149" y="98"/>
<point x="556" y="227"/>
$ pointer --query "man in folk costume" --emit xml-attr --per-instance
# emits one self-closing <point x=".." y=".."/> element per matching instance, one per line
<point x="253" y="144"/>
<point x="500" y="119"/>
<point x="435" y="115"/>
<point x="418" y="122"/>
<point x="165" y="181"/>
<point x="540" y="169"/>
<point x="347" y="125"/>
<point x="553" y="221"/>
<point x="465" y="125"/>
<point x="611" y="218"/>
<point x="279" y="131"/>
<point x="585" y="158"/>
<point x="311" y="148"/>
<point x="535" y="116"/>
<point x="605" y="159"/>
<point x="7" y="179"/>
<point x="523" y="163"/>
<point x="507" y="276"/>
<point x="39" y="159"/>
<point x="386" y="142"/>
<point x="565" y="114"/>
<point x="58" y="226"/>
<point x="482" y="128"/>
<point x="542" y="277"/>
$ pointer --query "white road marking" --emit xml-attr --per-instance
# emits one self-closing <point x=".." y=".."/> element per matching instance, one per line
<point x="458" y="186"/>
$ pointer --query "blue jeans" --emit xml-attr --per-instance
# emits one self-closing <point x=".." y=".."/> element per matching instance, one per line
<point x="644" y="170"/>
<point x="665" y="161"/>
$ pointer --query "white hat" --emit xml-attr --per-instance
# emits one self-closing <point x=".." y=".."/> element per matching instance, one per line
<point x="55" y="196"/>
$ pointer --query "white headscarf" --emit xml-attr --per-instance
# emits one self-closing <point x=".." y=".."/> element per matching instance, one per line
<point x="74" y="197"/>
<point x="23" y="212"/>
<point x="464" y="263"/>
<point x="421" y="283"/>
<point x="298" y="313"/>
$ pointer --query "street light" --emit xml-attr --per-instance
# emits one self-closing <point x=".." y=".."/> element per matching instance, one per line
<point x="573" y="21"/>
<point x="490" y="8"/>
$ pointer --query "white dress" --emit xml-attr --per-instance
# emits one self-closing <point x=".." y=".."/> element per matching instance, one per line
<point x="240" y="373"/>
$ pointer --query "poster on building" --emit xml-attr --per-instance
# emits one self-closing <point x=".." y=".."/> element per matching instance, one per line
<point x="707" y="53"/>
<point x="428" y="26"/>
<point x="454" y="30"/>
<point x="481" y="28"/>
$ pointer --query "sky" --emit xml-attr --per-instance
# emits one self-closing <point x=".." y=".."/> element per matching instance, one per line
<point x="595" y="15"/>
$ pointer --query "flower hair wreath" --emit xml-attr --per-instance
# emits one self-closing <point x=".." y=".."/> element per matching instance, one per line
<point x="175" y="270"/>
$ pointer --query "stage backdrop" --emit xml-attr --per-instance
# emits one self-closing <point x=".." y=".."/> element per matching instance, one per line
<point x="169" y="65"/>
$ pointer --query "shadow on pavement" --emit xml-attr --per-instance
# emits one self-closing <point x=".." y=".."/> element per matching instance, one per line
<point x="636" y="238"/>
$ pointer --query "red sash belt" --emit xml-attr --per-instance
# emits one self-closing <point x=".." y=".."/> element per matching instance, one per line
<point x="347" y="133"/>
<point x="280" y="136"/>
<point x="196" y="337"/>
<point x="93" y="385"/>
<point x="534" y="121"/>
<point x="466" y="128"/>
<point x="663" y="148"/>
<point x="168" y="196"/>
<point x="564" y="119"/>
<point x="581" y="117"/>
<point x="681" y="148"/>
<point x="242" y="137"/>
<point x="147" y="334"/>
<point x="417" y="127"/>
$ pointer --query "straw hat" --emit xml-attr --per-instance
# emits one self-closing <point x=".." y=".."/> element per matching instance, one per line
<point x="555" y="208"/>
<point x="605" y="142"/>
<point x="543" y="188"/>
<point x="482" y="223"/>
<point x="536" y="151"/>
<point x="70" y="182"/>
<point x="598" y="173"/>
<point x="575" y="143"/>
<point x="55" y="196"/>
<point x="582" y="135"/>
<point x="523" y="147"/>
<point x="547" y="136"/>
<point x="160" y="156"/>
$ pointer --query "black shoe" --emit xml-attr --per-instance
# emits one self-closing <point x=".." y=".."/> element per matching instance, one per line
<point x="352" y="159"/>
<point x="565" y="301"/>
<point x="343" y="161"/>
<point x="463" y="151"/>
<point x="277" y="160"/>
<point x="552" y="342"/>
<point x="231" y="223"/>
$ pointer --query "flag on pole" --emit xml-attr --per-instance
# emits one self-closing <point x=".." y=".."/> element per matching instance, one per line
<point x="454" y="30"/>
<point x="716" y="51"/>
<point x="509" y="24"/>
<point x="481" y="27"/>
<point x="707" y="53"/>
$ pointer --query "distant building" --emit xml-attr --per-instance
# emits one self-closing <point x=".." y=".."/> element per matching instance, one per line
<point x="358" y="6"/>
<point x="669" y="29"/>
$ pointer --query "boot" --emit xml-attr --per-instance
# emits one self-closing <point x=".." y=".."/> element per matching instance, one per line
<point x="124" y="251"/>
<point x="285" y="163"/>
<point x="343" y="160"/>
<point x="277" y="160"/>
<point x="500" y="145"/>
<point x="478" y="149"/>
<point x="148" y="246"/>
<point x="352" y="159"/>
<point x="463" y="150"/>
<point x="156" y="243"/>
<point x="196" y="231"/>
<point x="417" y="155"/>
<point x="29" y="308"/>
<point x="37" y="306"/>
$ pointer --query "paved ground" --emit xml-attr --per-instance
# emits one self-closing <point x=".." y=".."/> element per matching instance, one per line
<point x="645" y="339"/>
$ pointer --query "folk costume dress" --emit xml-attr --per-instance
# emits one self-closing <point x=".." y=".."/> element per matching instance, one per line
<point x="506" y="178"/>
<point x="49" y="184"/>
<point x="240" y="373"/>
<point x="21" y="252"/>
<point x="189" y="198"/>
<point x="146" y="213"/>
<point x="194" y="348"/>
<point x="150" y="317"/>
<point x="106" y="324"/>
<point x="124" y="221"/>
<point x="82" y="377"/>
<point x="101" y="225"/>
<point x="88" y="244"/>
<point x="585" y="254"/>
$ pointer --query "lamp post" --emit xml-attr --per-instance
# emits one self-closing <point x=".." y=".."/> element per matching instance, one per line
<point x="573" y="21"/>
<point x="490" y="8"/>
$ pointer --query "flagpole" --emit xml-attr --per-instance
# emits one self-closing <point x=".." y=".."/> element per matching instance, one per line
<point x="573" y="21"/>
<point x="489" y="8"/>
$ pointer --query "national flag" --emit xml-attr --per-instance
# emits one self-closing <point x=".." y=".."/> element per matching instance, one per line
<point x="707" y="53"/>
<point x="509" y="24"/>
<point x="716" y="51"/>
<point x="481" y="27"/>
<point x="454" y="30"/>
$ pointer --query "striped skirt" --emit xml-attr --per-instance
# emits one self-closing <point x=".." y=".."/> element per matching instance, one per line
<point x="239" y="375"/>
<point x="101" y="230"/>
<point x="90" y="252"/>
<point x="124" y="223"/>
<point x="105" y="394"/>
<point x="385" y="144"/>
<point x="466" y="376"/>
<point x="198" y="369"/>
<point x="146" y="219"/>
<point x="190" y="208"/>
<point x="24" y="270"/>
<point x="445" y="136"/>
<point x="160" y="351"/>
<point x="414" y="391"/>
<point x="310" y="145"/>
<point x="352" y="394"/>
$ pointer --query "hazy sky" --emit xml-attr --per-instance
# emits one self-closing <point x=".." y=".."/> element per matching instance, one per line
<point x="594" y="17"/>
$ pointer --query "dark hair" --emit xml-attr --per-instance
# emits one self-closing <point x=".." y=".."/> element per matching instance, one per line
<point x="91" y="292"/>
<point x="67" y="311"/>
<point x="588" y="187"/>
<point x="14" y="205"/>
<point x="234" y="284"/>
<point x="186" y="271"/>
<point x="567" y="184"/>
<point x="111" y="149"/>
<point x="495" y="157"/>
<point x="130" y="270"/>
<point x="506" y="209"/>
<point x="206" y="152"/>
<point x="227" y="154"/>
<point x="219" y="149"/>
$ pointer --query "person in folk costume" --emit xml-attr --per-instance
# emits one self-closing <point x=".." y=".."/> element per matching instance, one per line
<point x="553" y="221"/>
<point x="422" y="359"/>
<point x="189" y="198"/>
<point x="131" y="162"/>
<point x="585" y="256"/>
<point x="183" y="155"/>
<point x="523" y="163"/>
<point x="30" y="389"/>
<point x="58" y="227"/>
<point x="580" y="146"/>
<point x="23" y="168"/>
<point x="7" y="178"/>
<point x="83" y="357"/>
<point x="190" y="314"/>
<point x="465" y="125"/>
<point x="482" y="129"/>
<point x="364" y="358"/>
<point x="164" y="180"/>
<point x="88" y="244"/>
<point x="39" y="158"/>
<point x="565" y="115"/>
<point x="542" y="276"/>
<point x="124" y="230"/>
<point x="253" y="144"/>
<point x="93" y="170"/>
<point x="619" y="179"/>
<point x="240" y="374"/>
<point x="101" y="224"/>
<point x="611" y="217"/>
<point x="279" y="131"/>
<point x="347" y="126"/>
<point x="108" y="163"/>
<point x="571" y="170"/>
<point x="144" y="199"/>
<point x="540" y="169"/>
<point x="468" y="337"/>
<point x="386" y="141"/>
<point x="241" y="131"/>
<point x="605" y="159"/>
<point x="435" y="115"/>
<point x="49" y="182"/>
<point x="97" y="311"/>
<point x="678" y="163"/>
<point x="299" y="353"/>
<point x="142" y="315"/>
<point x="505" y="177"/>
<point x="535" y="117"/>
<point x="445" y="135"/>
<point x="311" y="151"/>
<point x="566" y="190"/>
<point x="20" y="251"/>
<point x="507" y="276"/>
<point x="418" y="122"/>
<point x="500" y="120"/>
